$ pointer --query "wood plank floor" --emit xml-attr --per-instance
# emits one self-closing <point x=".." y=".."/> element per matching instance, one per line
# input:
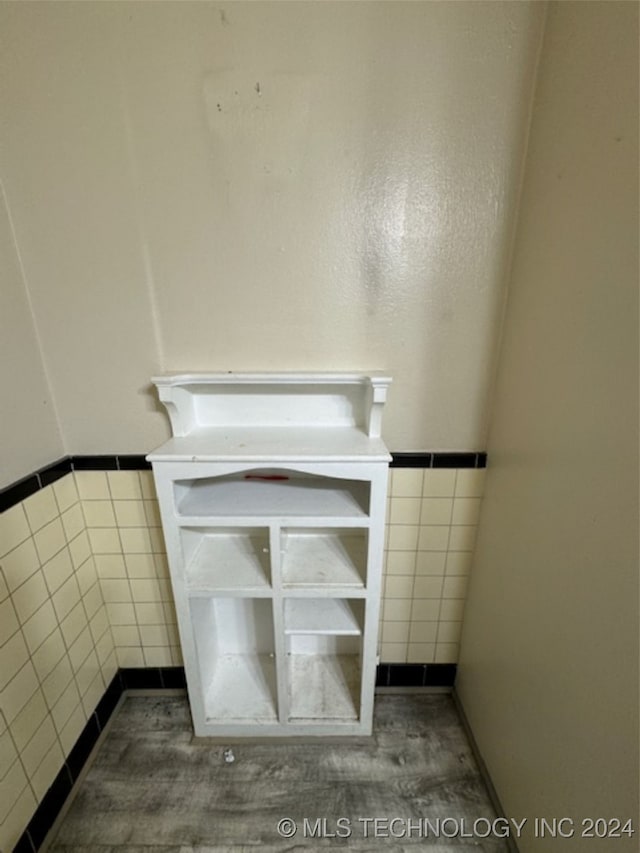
<point x="153" y="788"/>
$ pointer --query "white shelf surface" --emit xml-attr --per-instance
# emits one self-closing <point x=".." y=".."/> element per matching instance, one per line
<point x="325" y="616"/>
<point x="323" y="687"/>
<point x="272" y="444"/>
<point x="323" y="560"/>
<point x="298" y="497"/>
<point x="243" y="688"/>
<point x="230" y="563"/>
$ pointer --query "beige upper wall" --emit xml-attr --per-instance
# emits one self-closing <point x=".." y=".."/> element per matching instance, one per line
<point x="549" y="661"/>
<point x="265" y="186"/>
<point x="29" y="433"/>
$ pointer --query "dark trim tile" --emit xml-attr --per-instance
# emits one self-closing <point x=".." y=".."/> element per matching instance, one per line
<point x="141" y="678"/>
<point x="50" y="807"/>
<point x="83" y="746"/>
<point x="18" y="492"/>
<point x="416" y="675"/>
<point x="481" y="460"/>
<point x="454" y="460"/>
<point x="411" y="460"/>
<point x="173" y="677"/>
<point x="440" y="674"/>
<point x="94" y="463"/>
<point x="24" y="844"/>
<point x="55" y="471"/>
<point x="110" y="699"/>
<point x="133" y="463"/>
<point x="406" y="674"/>
<point x="382" y="675"/>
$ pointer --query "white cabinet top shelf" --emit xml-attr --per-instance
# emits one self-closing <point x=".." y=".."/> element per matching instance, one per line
<point x="263" y="416"/>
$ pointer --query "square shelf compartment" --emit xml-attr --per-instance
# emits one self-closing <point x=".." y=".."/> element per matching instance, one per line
<point x="323" y="559"/>
<point x="235" y="657"/>
<point x="230" y="561"/>
<point x="324" y="677"/>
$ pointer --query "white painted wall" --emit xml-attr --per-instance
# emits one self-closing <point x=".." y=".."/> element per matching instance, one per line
<point x="548" y="674"/>
<point x="29" y="433"/>
<point x="266" y="185"/>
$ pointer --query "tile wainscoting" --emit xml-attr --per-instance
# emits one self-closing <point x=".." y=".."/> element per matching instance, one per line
<point x="85" y="596"/>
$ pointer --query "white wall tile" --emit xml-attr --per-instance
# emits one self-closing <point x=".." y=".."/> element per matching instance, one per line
<point x="447" y="652"/>
<point x="433" y="538"/>
<point x="157" y="656"/>
<point x="404" y="510"/>
<point x="136" y="540"/>
<point x="400" y="562"/>
<point x="425" y="610"/>
<point x="72" y="522"/>
<point x="430" y="563"/>
<point x="17" y="819"/>
<point x="29" y="719"/>
<point x="130" y="514"/>
<point x="58" y="570"/>
<point x="124" y="485"/>
<point x="13" y="656"/>
<point x="423" y="632"/>
<point x="11" y="786"/>
<point x="110" y="566"/>
<point x="14" y="529"/>
<point x="462" y="538"/>
<point x="66" y="492"/>
<point x="41" y="508"/>
<point x="397" y="609"/>
<point x="20" y="563"/>
<point x="439" y="483"/>
<point x="104" y="540"/>
<point x="73" y="624"/>
<point x="50" y="653"/>
<point x="72" y="730"/>
<point x="93" y="695"/>
<point x="8" y="621"/>
<point x="147" y="485"/>
<point x="451" y="610"/>
<point x="80" y="549"/>
<point x="34" y="752"/>
<point x="99" y="514"/>
<point x="395" y="632"/>
<point x="31" y="595"/>
<point x="18" y="692"/>
<point x="421" y="652"/>
<point x="427" y="587"/>
<point x="470" y="482"/>
<point x="56" y="682"/>
<point x="92" y="485"/>
<point x="39" y="626"/>
<point x="466" y="511"/>
<point x="436" y="511"/>
<point x="406" y="482"/>
<point x="129" y="656"/>
<point x="49" y="540"/>
<point x="66" y="598"/>
<point x="47" y="771"/>
<point x="398" y="586"/>
<point x="458" y="562"/>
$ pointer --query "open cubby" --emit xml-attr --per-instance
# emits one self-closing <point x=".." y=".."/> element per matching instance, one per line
<point x="235" y="649"/>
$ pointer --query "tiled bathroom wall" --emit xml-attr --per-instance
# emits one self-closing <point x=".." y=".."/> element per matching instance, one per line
<point x="431" y="527"/>
<point x="85" y="590"/>
<point x="56" y="647"/>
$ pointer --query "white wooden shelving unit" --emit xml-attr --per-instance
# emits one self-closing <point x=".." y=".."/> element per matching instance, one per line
<point x="272" y="492"/>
